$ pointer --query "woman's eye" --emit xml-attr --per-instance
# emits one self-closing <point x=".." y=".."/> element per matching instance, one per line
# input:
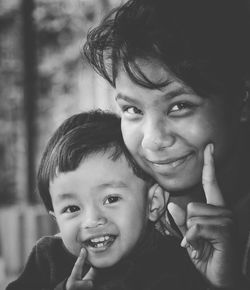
<point x="181" y="106"/>
<point x="111" y="199"/>
<point x="132" y="110"/>
<point x="71" y="209"/>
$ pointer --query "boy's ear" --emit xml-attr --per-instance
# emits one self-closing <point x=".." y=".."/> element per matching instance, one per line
<point x="157" y="202"/>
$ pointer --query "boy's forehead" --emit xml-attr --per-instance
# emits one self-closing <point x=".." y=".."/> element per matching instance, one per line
<point x="97" y="172"/>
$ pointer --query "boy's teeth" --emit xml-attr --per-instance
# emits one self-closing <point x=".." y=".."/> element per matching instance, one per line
<point x="100" y="245"/>
<point x="100" y="239"/>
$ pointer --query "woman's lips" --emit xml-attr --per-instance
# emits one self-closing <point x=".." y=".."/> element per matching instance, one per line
<point x="169" y="164"/>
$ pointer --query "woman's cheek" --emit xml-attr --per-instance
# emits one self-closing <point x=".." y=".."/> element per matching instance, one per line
<point x="131" y="136"/>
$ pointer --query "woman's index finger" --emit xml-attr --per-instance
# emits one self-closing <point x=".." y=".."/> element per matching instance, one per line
<point x="212" y="191"/>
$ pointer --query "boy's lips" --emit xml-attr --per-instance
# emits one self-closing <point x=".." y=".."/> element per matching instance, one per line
<point x="100" y="242"/>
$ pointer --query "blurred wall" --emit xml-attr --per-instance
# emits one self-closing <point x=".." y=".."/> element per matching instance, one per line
<point x="44" y="79"/>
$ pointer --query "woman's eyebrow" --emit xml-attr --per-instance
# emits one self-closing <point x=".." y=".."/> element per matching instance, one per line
<point x="124" y="97"/>
<point x="172" y="93"/>
<point x="178" y="91"/>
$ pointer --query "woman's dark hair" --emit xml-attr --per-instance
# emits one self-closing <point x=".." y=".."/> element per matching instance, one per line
<point x="203" y="42"/>
<point x="78" y="137"/>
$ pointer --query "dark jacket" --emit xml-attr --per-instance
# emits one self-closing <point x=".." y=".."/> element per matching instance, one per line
<point x="157" y="264"/>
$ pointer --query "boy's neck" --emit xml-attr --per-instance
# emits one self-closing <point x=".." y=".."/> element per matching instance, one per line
<point x="146" y="244"/>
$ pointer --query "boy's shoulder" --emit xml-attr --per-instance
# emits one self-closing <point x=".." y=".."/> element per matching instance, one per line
<point x="164" y="252"/>
<point x="165" y="263"/>
<point x="51" y="248"/>
<point x="49" y="264"/>
<point x="47" y="242"/>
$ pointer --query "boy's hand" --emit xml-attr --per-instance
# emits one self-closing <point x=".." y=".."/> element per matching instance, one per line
<point x="75" y="280"/>
<point x="207" y="230"/>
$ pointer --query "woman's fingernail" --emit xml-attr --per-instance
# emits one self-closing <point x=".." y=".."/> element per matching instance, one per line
<point x="158" y="189"/>
<point x="184" y="243"/>
<point x="194" y="254"/>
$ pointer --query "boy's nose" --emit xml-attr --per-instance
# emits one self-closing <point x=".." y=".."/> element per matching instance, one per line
<point x="157" y="136"/>
<point x="93" y="219"/>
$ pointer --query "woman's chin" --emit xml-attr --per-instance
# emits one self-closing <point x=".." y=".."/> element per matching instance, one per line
<point x="179" y="187"/>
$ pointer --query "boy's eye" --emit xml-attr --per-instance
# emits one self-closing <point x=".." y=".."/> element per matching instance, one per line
<point x="71" y="209"/>
<point x="111" y="199"/>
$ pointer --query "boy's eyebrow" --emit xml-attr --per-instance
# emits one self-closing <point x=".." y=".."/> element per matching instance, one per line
<point x="110" y="184"/>
<point x="65" y="195"/>
<point x="113" y="184"/>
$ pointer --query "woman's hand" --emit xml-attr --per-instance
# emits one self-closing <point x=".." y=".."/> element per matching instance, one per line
<point x="207" y="230"/>
<point x="75" y="280"/>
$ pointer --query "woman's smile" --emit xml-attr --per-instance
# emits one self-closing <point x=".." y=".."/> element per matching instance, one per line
<point x="169" y="165"/>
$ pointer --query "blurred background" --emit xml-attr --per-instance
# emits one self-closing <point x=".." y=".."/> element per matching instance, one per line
<point x="44" y="79"/>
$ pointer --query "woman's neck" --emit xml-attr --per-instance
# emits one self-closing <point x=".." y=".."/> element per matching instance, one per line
<point x="182" y="198"/>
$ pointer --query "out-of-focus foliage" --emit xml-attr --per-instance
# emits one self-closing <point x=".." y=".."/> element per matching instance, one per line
<point x="65" y="84"/>
<point x="10" y="97"/>
<point x="61" y="27"/>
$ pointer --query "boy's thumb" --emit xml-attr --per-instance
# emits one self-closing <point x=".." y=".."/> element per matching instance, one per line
<point x="90" y="275"/>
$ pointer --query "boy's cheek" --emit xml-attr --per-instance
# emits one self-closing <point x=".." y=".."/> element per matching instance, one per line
<point x="70" y="241"/>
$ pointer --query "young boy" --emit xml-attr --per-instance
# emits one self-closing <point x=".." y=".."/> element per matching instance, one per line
<point x="105" y="208"/>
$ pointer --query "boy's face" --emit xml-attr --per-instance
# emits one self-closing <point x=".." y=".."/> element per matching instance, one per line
<point x="101" y="206"/>
<point x="167" y="130"/>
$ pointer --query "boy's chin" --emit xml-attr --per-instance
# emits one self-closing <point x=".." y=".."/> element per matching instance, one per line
<point x="104" y="264"/>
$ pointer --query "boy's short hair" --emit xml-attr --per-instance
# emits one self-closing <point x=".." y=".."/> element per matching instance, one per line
<point x="78" y="137"/>
<point x="205" y="43"/>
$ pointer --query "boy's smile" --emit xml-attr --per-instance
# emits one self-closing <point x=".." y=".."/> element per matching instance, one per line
<point x="99" y="243"/>
<point x="101" y="206"/>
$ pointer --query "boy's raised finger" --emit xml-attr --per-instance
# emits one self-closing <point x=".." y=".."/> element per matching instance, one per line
<point x="90" y="275"/>
<point x="76" y="273"/>
<point x="209" y="181"/>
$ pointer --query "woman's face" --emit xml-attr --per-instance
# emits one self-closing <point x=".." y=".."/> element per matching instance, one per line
<point x="167" y="130"/>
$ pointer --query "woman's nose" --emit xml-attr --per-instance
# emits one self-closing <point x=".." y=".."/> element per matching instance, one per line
<point x="157" y="136"/>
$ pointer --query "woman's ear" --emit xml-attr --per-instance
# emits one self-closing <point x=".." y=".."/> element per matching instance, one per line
<point x="245" y="109"/>
<point x="157" y="202"/>
<point x="52" y="214"/>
